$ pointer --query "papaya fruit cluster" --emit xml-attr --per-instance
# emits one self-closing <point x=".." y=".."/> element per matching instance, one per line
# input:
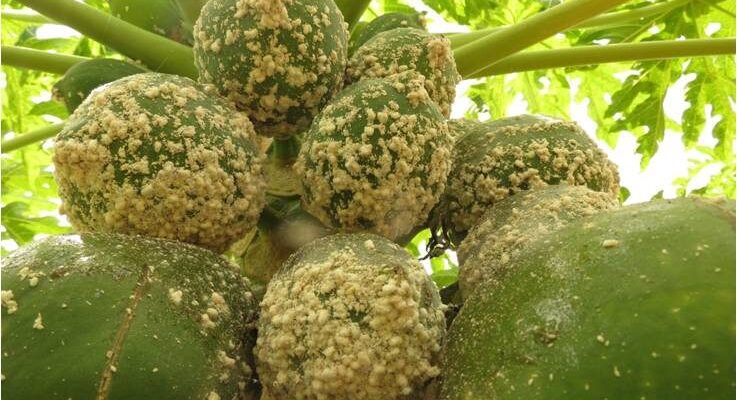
<point x="562" y="292"/>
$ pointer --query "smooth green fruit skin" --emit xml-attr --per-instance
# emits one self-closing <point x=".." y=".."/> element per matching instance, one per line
<point x="652" y="317"/>
<point x="83" y="78"/>
<point x="83" y="298"/>
<point x="386" y="22"/>
<point x="162" y="17"/>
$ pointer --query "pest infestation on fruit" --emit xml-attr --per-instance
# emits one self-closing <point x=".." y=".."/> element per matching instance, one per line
<point x="241" y="177"/>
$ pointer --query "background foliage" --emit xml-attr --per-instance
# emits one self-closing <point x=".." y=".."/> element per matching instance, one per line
<point x="619" y="97"/>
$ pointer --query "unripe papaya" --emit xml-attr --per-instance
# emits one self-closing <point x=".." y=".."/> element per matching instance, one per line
<point x="515" y="222"/>
<point x="160" y="155"/>
<point x="280" y="61"/>
<point x="108" y="316"/>
<point x="409" y="49"/>
<point x="387" y="22"/>
<point x="376" y="158"/>
<point x="635" y="303"/>
<point x="83" y="78"/>
<point x="502" y="157"/>
<point x="349" y="316"/>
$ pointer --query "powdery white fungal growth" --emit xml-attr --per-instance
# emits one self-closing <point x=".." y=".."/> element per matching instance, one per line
<point x="405" y="49"/>
<point x="509" y="155"/>
<point x="376" y="158"/>
<point x="280" y="61"/>
<point x="512" y="224"/>
<point x="343" y="320"/>
<point x="162" y="156"/>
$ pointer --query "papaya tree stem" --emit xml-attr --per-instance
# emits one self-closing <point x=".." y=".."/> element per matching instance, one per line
<point x="590" y="55"/>
<point x="25" y="16"/>
<point x="352" y="10"/>
<point x="611" y="19"/>
<point x="502" y="43"/>
<point x="30" y="137"/>
<point x="156" y="52"/>
<point x="39" y="60"/>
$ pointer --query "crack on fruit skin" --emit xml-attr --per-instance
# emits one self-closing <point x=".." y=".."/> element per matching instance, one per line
<point x="106" y="378"/>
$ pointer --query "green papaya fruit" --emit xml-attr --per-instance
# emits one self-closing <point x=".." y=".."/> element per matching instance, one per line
<point x="404" y="49"/>
<point x="511" y="224"/>
<point x="83" y="78"/>
<point x="635" y="303"/>
<point x="386" y="22"/>
<point x="163" y="17"/>
<point x="109" y="316"/>
<point x="163" y="156"/>
<point x="496" y="159"/>
<point x="349" y="316"/>
<point x="280" y="62"/>
<point x="376" y="157"/>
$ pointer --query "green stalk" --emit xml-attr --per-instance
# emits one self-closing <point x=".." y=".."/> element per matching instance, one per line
<point x="514" y="38"/>
<point x="352" y="10"/>
<point x="285" y="151"/>
<point x="24" y="16"/>
<point x="590" y="55"/>
<point x="156" y="52"/>
<point x="23" y="57"/>
<point x="31" y="137"/>
<point x="611" y="19"/>
<point x="624" y="16"/>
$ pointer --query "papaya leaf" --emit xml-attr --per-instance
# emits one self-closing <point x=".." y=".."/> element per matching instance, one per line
<point x="22" y="228"/>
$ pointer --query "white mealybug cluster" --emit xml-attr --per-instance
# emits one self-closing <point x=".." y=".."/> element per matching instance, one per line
<point x="409" y="49"/>
<point x="349" y="316"/>
<point x="280" y="61"/>
<point x="496" y="159"/>
<point x="376" y="158"/>
<point x="162" y="156"/>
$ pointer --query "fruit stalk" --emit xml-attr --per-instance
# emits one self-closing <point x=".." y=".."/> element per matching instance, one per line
<point x="285" y="150"/>
<point x="352" y="10"/>
<point x="30" y="137"/>
<point x="156" y="52"/>
<point x="589" y="55"/>
<point x="614" y="18"/>
<point x="517" y="37"/>
<point x="39" y="60"/>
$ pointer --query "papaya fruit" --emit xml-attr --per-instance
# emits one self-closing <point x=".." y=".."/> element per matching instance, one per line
<point x="349" y="316"/>
<point x="160" y="155"/>
<point x="638" y="302"/>
<point x="109" y="316"/>
<point x="278" y="61"/>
